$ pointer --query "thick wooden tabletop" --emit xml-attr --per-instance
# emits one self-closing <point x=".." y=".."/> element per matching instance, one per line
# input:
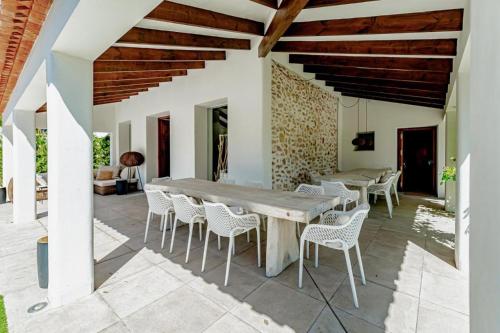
<point x="356" y="177"/>
<point x="283" y="205"/>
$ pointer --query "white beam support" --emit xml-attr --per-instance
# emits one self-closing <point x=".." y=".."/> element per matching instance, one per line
<point x="24" y="166"/>
<point x="69" y="124"/>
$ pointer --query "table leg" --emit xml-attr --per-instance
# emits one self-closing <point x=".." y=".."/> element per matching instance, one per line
<point x="364" y="195"/>
<point x="282" y="246"/>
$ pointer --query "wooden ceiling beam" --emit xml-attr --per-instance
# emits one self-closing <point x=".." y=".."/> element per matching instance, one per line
<point x="282" y="20"/>
<point x="115" y="95"/>
<point x="108" y="101"/>
<point x="389" y="90"/>
<point x="423" y="64"/>
<point x="125" y="88"/>
<point x="171" y="38"/>
<point x="435" y="47"/>
<point x="436" y="77"/>
<point x="144" y="66"/>
<point x="428" y="86"/>
<point x="435" y="21"/>
<point x="117" y="53"/>
<point x="125" y="76"/>
<point x="268" y="3"/>
<point x="327" y="3"/>
<point x="393" y="100"/>
<point x="178" y="13"/>
<point x="115" y="84"/>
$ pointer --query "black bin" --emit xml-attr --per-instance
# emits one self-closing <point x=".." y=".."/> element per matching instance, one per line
<point x="3" y="195"/>
<point x="42" y="256"/>
<point x="121" y="186"/>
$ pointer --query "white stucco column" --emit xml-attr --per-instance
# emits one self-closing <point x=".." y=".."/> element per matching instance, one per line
<point x="24" y="166"/>
<point x="69" y="125"/>
<point x="7" y="154"/>
<point x="462" y="212"/>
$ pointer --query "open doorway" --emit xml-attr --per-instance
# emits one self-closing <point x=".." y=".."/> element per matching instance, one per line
<point x="164" y="146"/>
<point x="417" y="157"/>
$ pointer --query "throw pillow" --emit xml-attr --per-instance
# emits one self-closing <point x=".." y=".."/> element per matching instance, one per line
<point x="104" y="175"/>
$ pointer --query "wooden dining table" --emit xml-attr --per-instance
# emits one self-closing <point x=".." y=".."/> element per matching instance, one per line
<point x="360" y="178"/>
<point x="283" y="210"/>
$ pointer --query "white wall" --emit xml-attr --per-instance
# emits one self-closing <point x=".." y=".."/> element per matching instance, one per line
<point x="385" y="118"/>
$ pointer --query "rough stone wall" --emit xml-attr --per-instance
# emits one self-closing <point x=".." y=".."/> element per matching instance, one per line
<point x="304" y="129"/>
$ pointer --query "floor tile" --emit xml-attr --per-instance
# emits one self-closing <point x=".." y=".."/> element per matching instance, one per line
<point x="435" y="319"/>
<point x="115" y="269"/>
<point x="450" y="293"/>
<point x="229" y="324"/>
<point x="328" y="323"/>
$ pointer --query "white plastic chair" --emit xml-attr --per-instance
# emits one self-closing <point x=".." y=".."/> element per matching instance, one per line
<point x="159" y="204"/>
<point x="395" y="185"/>
<point x="338" y="189"/>
<point x="223" y="222"/>
<point x="383" y="189"/>
<point x="339" y="234"/>
<point x="313" y="190"/>
<point x="186" y="211"/>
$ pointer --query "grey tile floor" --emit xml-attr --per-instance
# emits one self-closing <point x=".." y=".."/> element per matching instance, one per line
<point x="412" y="285"/>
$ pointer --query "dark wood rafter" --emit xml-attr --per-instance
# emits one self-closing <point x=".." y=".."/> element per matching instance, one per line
<point x="436" y="77"/>
<point x="125" y="76"/>
<point x="428" y="99"/>
<point x="143" y="66"/>
<point x="148" y="54"/>
<point x="112" y="98"/>
<point x="282" y="20"/>
<point x="327" y="3"/>
<point x="435" y="21"/>
<point x="335" y="79"/>
<point x="115" y="95"/>
<point x="177" y="13"/>
<point x="436" y="47"/>
<point x="383" y="89"/>
<point x="120" y="93"/>
<point x="124" y="83"/>
<point x="108" y="101"/>
<point x="423" y="64"/>
<point x="393" y="100"/>
<point x="171" y="38"/>
<point x="126" y="88"/>
<point x="269" y="3"/>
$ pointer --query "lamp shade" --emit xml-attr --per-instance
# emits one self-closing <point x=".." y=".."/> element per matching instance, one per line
<point x="131" y="159"/>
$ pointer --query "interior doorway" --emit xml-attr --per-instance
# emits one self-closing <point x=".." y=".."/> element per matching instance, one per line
<point x="164" y="146"/>
<point x="217" y="142"/>
<point x="417" y="159"/>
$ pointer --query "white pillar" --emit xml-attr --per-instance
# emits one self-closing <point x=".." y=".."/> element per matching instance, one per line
<point x="7" y="154"/>
<point x="462" y="212"/>
<point x="24" y="166"/>
<point x="69" y="125"/>
<point x="485" y="166"/>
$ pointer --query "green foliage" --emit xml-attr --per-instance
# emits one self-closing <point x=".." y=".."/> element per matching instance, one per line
<point x="41" y="151"/>
<point x="102" y="149"/>
<point x="449" y="174"/>
<point x="3" y="316"/>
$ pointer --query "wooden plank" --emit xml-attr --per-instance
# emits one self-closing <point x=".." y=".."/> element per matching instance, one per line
<point x="143" y="66"/>
<point x="148" y="54"/>
<point x="112" y="84"/>
<point x="326" y="3"/>
<point x="282" y="20"/>
<point x="392" y="90"/>
<point x="425" y="99"/>
<point x="393" y="100"/>
<point x="435" y="21"/>
<point x="432" y="86"/>
<point x="438" y="47"/>
<point x="437" y="77"/>
<point x="108" y="101"/>
<point x="423" y="64"/>
<point x="124" y="76"/>
<point x="125" y="88"/>
<point x="171" y="38"/>
<point x="117" y="95"/>
<point x="269" y="3"/>
<point x="177" y="13"/>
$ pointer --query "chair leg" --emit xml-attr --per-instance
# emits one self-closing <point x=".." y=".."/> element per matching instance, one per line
<point x="161" y="223"/>
<point x="389" y="203"/>
<point x="316" y="255"/>
<point x="396" y="193"/>
<point x="231" y="246"/>
<point x="361" y="269"/>
<point x="301" y="261"/>
<point x="248" y="236"/>
<point x="173" y="235"/>
<point x="201" y="231"/>
<point x="351" y="278"/>
<point x="258" y="246"/>
<point x="234" y="247"/>
<point x="374" y="198"/>
<point x="147" y="226"/>
<point x="205" y="250"/>
<point x="165" y="219"/>
<point x="218" y="242"/>
<point x="308" y="245"/>
<point x="191" y="225"/>
<point x="298" y="230"/>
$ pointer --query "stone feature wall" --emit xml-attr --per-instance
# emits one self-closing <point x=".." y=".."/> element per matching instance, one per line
<point x="304" y="129"/>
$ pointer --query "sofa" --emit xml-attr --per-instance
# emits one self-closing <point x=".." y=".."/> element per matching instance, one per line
<point x="105" y="178"/>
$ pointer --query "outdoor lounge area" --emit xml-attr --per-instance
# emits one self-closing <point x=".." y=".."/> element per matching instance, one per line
<point x="249" y="165"/>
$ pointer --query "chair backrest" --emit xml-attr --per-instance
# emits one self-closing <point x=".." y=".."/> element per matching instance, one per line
<point x="396" y="178"/>
<point x="310" y="189"/>
<point x="158" y="201"/>
<point x="219" y="218"/>
<point x="349" y="232"/>
<point x="185" y="209"/>
<point x="338" y="189"/>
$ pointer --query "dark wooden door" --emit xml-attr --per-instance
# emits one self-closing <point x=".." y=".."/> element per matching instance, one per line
<point x="417" y="148"/>
<point x="163" y="147"/>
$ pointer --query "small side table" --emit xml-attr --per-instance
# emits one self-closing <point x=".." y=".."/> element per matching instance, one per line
<point x="121" y="186"/>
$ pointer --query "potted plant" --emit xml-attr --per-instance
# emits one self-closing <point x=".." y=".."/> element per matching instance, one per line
<point x="449" y="174"/>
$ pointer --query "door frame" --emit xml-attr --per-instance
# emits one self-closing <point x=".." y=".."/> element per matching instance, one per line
<point x="400" y="154"/>
<point x="159" y="137"/>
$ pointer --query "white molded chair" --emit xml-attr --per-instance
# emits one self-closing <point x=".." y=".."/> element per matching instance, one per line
<point x="383" y="189"/>
<point x="339" y="231"/>
<point x="159" y="204"/>
<point x="395" y="185"/>
<point x="186" y="211"/>
<point x="338" y="189"/>
<point x="223" y="222"/>
<point x="313" y="190"/>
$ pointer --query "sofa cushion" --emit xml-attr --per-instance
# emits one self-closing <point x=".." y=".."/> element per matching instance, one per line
<point x="114" y="169"/>
<point x="102" y="183"/>
<point x="104" y="175"/>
